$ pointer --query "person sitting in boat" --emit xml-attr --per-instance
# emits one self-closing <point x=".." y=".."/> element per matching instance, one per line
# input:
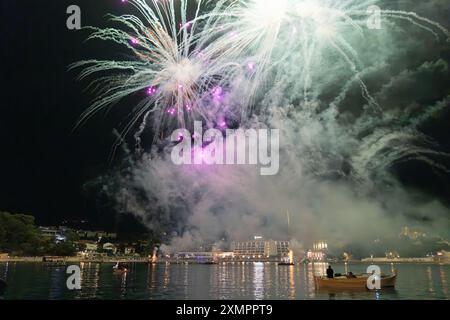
<point x="330" y="273"/>
<point x="351" y="275"/>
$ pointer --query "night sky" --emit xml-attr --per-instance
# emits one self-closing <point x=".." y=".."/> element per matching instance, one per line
<point x="43" y="163"/>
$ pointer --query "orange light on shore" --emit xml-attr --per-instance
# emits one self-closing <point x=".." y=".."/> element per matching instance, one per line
<point x="291" y="256"/>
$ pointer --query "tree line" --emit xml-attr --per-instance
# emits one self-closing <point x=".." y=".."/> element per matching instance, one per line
<point x="19" y="236"/>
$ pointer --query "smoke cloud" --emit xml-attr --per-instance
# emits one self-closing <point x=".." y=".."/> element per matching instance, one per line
<point x="337" y="158"/>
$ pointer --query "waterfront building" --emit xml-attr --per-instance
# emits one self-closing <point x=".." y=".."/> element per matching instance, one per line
<point x="259" y="248"/>
<point x="109" y="247"/>
<point x="57" y="234"/>
<point x="196" y="256"/>
<point x="283" y="247"/>
<point x="49" y="232"/>
<point x="320" y="246"/>
<point x="412" y="234"/>
<point x="254" y="249"/>
<point x="87" y="246"/>
<point x="318" y="252"/>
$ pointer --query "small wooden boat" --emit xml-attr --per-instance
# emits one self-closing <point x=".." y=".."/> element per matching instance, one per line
<point x="356" y="282"/>
<point x="209" y="262"/>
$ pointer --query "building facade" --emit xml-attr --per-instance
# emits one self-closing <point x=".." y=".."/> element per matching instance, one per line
<point x="259" y="248"/>
<point x="283" y="247"/>
<point x="318" y="252"/>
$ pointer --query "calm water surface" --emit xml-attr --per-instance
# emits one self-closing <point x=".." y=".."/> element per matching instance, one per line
<point x="225" y="281"/>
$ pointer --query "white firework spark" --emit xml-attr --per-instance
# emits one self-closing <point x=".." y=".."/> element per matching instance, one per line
<point x="236" y="45"/>
<point x="170" y="63"/>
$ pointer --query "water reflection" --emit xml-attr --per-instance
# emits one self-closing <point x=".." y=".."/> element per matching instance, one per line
<point x="258" y="280"/>
<point x="224" y="279"/>
<point x="151" y="278"/>
<point x="291" y="283"/>
<point x="444" y="280"/>
<point x="310" y="286"/>
<point x="123" y="285"/>
<point x="57" y="277"/>
<point x="4" y="271"/>
<point x="246" y="281"/>
<point x="393" y="269"/>
<point x="430" y="280"/>
<point x="166" y="278"/>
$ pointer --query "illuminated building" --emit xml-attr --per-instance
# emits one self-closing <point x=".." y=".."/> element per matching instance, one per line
<point x="109" y="247"/>
<point x="260" y="248"/>
<point x="252" y="249"/>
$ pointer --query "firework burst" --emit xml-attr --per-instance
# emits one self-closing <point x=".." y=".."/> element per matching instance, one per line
<point x="171" y="65"/>
<point x="185" y="66"/>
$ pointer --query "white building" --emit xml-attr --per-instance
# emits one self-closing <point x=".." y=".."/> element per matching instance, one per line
<point x="320" y="246"/>
<point x="443" y="256"/>
<point x="283" y="247"/>
<point x="319" y="251"/>
<point x="110" y="247"/>
<point x="91" y="247"/>
<point x="259" y="248"/>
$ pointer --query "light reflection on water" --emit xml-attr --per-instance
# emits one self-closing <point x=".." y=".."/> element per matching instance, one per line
<point x="248" y="281"/>
<point x="258" y="280"/>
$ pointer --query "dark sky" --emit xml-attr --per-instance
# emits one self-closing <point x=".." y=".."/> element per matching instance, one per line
<point x="43" y="164"/>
